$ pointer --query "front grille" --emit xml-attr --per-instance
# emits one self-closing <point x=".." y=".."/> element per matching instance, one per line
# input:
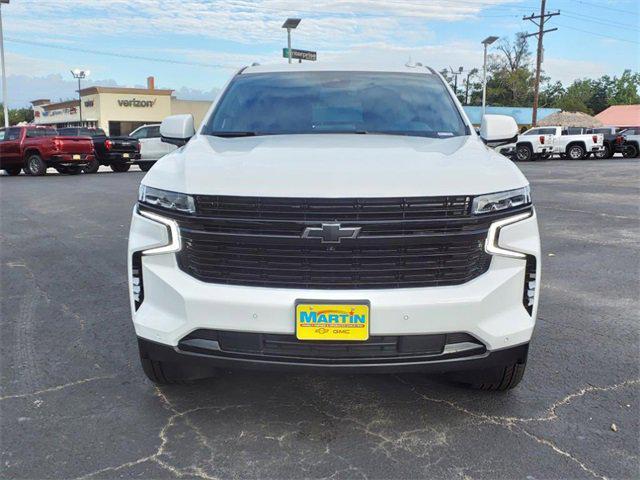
<point x="403" y="242"/>
<point x="282" y="345"/>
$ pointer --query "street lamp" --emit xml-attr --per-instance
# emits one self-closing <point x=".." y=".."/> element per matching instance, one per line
<point x="290" y="24"/>
<point x="486" y="42"/>
<point x="4" y="73"/>
<point x="79" y="75"/>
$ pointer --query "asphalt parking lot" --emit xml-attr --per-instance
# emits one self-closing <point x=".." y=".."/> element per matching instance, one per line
<point x="75" y="403"/>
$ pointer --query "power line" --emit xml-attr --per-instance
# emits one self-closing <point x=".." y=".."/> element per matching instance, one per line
<point x="597" y="34"/>
<point x="607" y="7"/>
<point x="588" y="18"/>
<point x="119" y="55"/>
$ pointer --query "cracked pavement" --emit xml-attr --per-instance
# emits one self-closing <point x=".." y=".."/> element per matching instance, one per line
<point x="74" y="402"/>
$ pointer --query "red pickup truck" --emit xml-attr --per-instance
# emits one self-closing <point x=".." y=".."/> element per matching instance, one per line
<point x="34" y="149"/>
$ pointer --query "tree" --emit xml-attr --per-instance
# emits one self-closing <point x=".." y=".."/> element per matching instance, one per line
<point x="624" y="90"/>
<point x="16" y="115"/>
<point x="510" y="81"/>
<point x="550" y="94"/>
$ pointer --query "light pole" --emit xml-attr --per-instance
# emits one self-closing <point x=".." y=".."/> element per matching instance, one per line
<point x="4" y="73"/>
<point x="290" y="24"/>
<point x="486" y="42"/>
<point x="80" y="74"/>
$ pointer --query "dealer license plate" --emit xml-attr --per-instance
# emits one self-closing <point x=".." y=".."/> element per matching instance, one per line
<point x="332" y="321"/>
<point x="125" y="155"/>
<point x="76" y="157"/>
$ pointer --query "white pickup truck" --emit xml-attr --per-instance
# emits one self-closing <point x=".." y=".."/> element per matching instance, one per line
<point x="545" y="141"/>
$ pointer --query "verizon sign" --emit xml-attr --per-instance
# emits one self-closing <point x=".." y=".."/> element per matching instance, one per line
<point x="134" y="102"/>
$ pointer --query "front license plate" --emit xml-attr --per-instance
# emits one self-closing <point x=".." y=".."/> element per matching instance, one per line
<point x="76" y="157"/>
<point x="125" y="155"/>
<point x="332" y="321"/>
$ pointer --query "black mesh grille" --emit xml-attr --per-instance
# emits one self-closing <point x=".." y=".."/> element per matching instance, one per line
<point x="403" y="242"/>
<point x="314" y="209"/>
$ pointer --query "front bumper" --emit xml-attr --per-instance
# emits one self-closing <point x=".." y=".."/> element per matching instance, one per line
<point x="489" y="307"/>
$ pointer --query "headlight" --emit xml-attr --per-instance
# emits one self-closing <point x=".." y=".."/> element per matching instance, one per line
<point x="495" y="202"/>
<point x="179" y="202"/>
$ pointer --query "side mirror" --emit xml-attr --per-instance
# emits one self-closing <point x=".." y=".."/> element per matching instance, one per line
<point x="177" y="129"/>
<point x="498" y="129"/>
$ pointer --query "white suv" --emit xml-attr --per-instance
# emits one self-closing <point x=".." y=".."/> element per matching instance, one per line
<point x="335" y="219"/>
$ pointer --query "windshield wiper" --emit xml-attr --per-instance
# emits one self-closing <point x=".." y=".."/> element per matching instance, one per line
<point x="233" y="134"/>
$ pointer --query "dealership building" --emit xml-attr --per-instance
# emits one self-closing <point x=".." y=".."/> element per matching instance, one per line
<point x="117" y="110"/>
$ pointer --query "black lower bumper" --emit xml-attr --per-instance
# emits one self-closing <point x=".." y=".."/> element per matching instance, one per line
<point x="69" y="160"/>
<point x="118" y="157"/>
<point x="440" y="363"/>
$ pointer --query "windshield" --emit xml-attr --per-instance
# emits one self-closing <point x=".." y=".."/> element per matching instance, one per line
<point x="336" y="102"/>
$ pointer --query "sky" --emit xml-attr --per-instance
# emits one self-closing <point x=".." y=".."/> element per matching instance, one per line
<point x="194" y="46"/>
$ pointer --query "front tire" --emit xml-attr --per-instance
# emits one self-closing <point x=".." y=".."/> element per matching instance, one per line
<point x="576" y="152"/>
<point x="159" y="372"/>
<point x="501" y="379"/>
<point x="13" y="171"/>
<point x="35" y="165"/>
<point x="524" y="153"/>
<point x="120" y="167"/>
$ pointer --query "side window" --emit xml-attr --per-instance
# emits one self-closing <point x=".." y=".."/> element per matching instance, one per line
<point x="13" y="134"/>
<point x="533" y="131"/>
<point x="547" y="131"/>
<point x="3" y="133"/>
<point x="141" y="133"/>
<point x="154" y="132"/>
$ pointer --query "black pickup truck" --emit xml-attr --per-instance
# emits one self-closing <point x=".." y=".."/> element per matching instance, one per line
<point x="612" y="141"/>
<point x="117" y="152"/>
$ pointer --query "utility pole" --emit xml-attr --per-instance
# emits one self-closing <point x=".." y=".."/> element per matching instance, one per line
<point x="473" y="71"/>
<point x="542" y="18"/>
<point x="5" y="100"/>
<point x="455" y="74"/>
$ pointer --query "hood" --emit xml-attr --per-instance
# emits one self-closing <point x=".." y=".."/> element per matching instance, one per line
<point x="335" y="165"/>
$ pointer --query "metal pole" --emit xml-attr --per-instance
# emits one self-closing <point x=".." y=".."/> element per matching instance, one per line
<point x="484" y="81"/>
<point x="79" y="101"/>
<point x="289" y="42"/>
<point x="4" y="75"/>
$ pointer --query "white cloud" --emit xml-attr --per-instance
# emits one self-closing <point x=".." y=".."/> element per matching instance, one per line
<point x="567" y="71"/>
<point x="25" y="65"/>
<point x="326" y="22"/>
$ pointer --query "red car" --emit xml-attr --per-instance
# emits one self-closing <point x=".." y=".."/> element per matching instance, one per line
<point x="34" y="149"/>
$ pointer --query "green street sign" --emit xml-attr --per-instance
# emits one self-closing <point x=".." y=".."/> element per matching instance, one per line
<point x="300" y="54"/>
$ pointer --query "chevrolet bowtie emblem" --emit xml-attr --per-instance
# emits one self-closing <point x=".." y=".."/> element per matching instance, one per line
<point x="331" y="232"/>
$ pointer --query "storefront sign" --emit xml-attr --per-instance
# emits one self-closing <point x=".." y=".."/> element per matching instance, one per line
<point x="134" y="102"/>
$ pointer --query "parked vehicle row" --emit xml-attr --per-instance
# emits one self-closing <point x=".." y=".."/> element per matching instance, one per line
<point x="575" y="143"/>
<point x="116" y="152"/>
<point x="34" y="149"/>
<point x="74" y="150"/>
